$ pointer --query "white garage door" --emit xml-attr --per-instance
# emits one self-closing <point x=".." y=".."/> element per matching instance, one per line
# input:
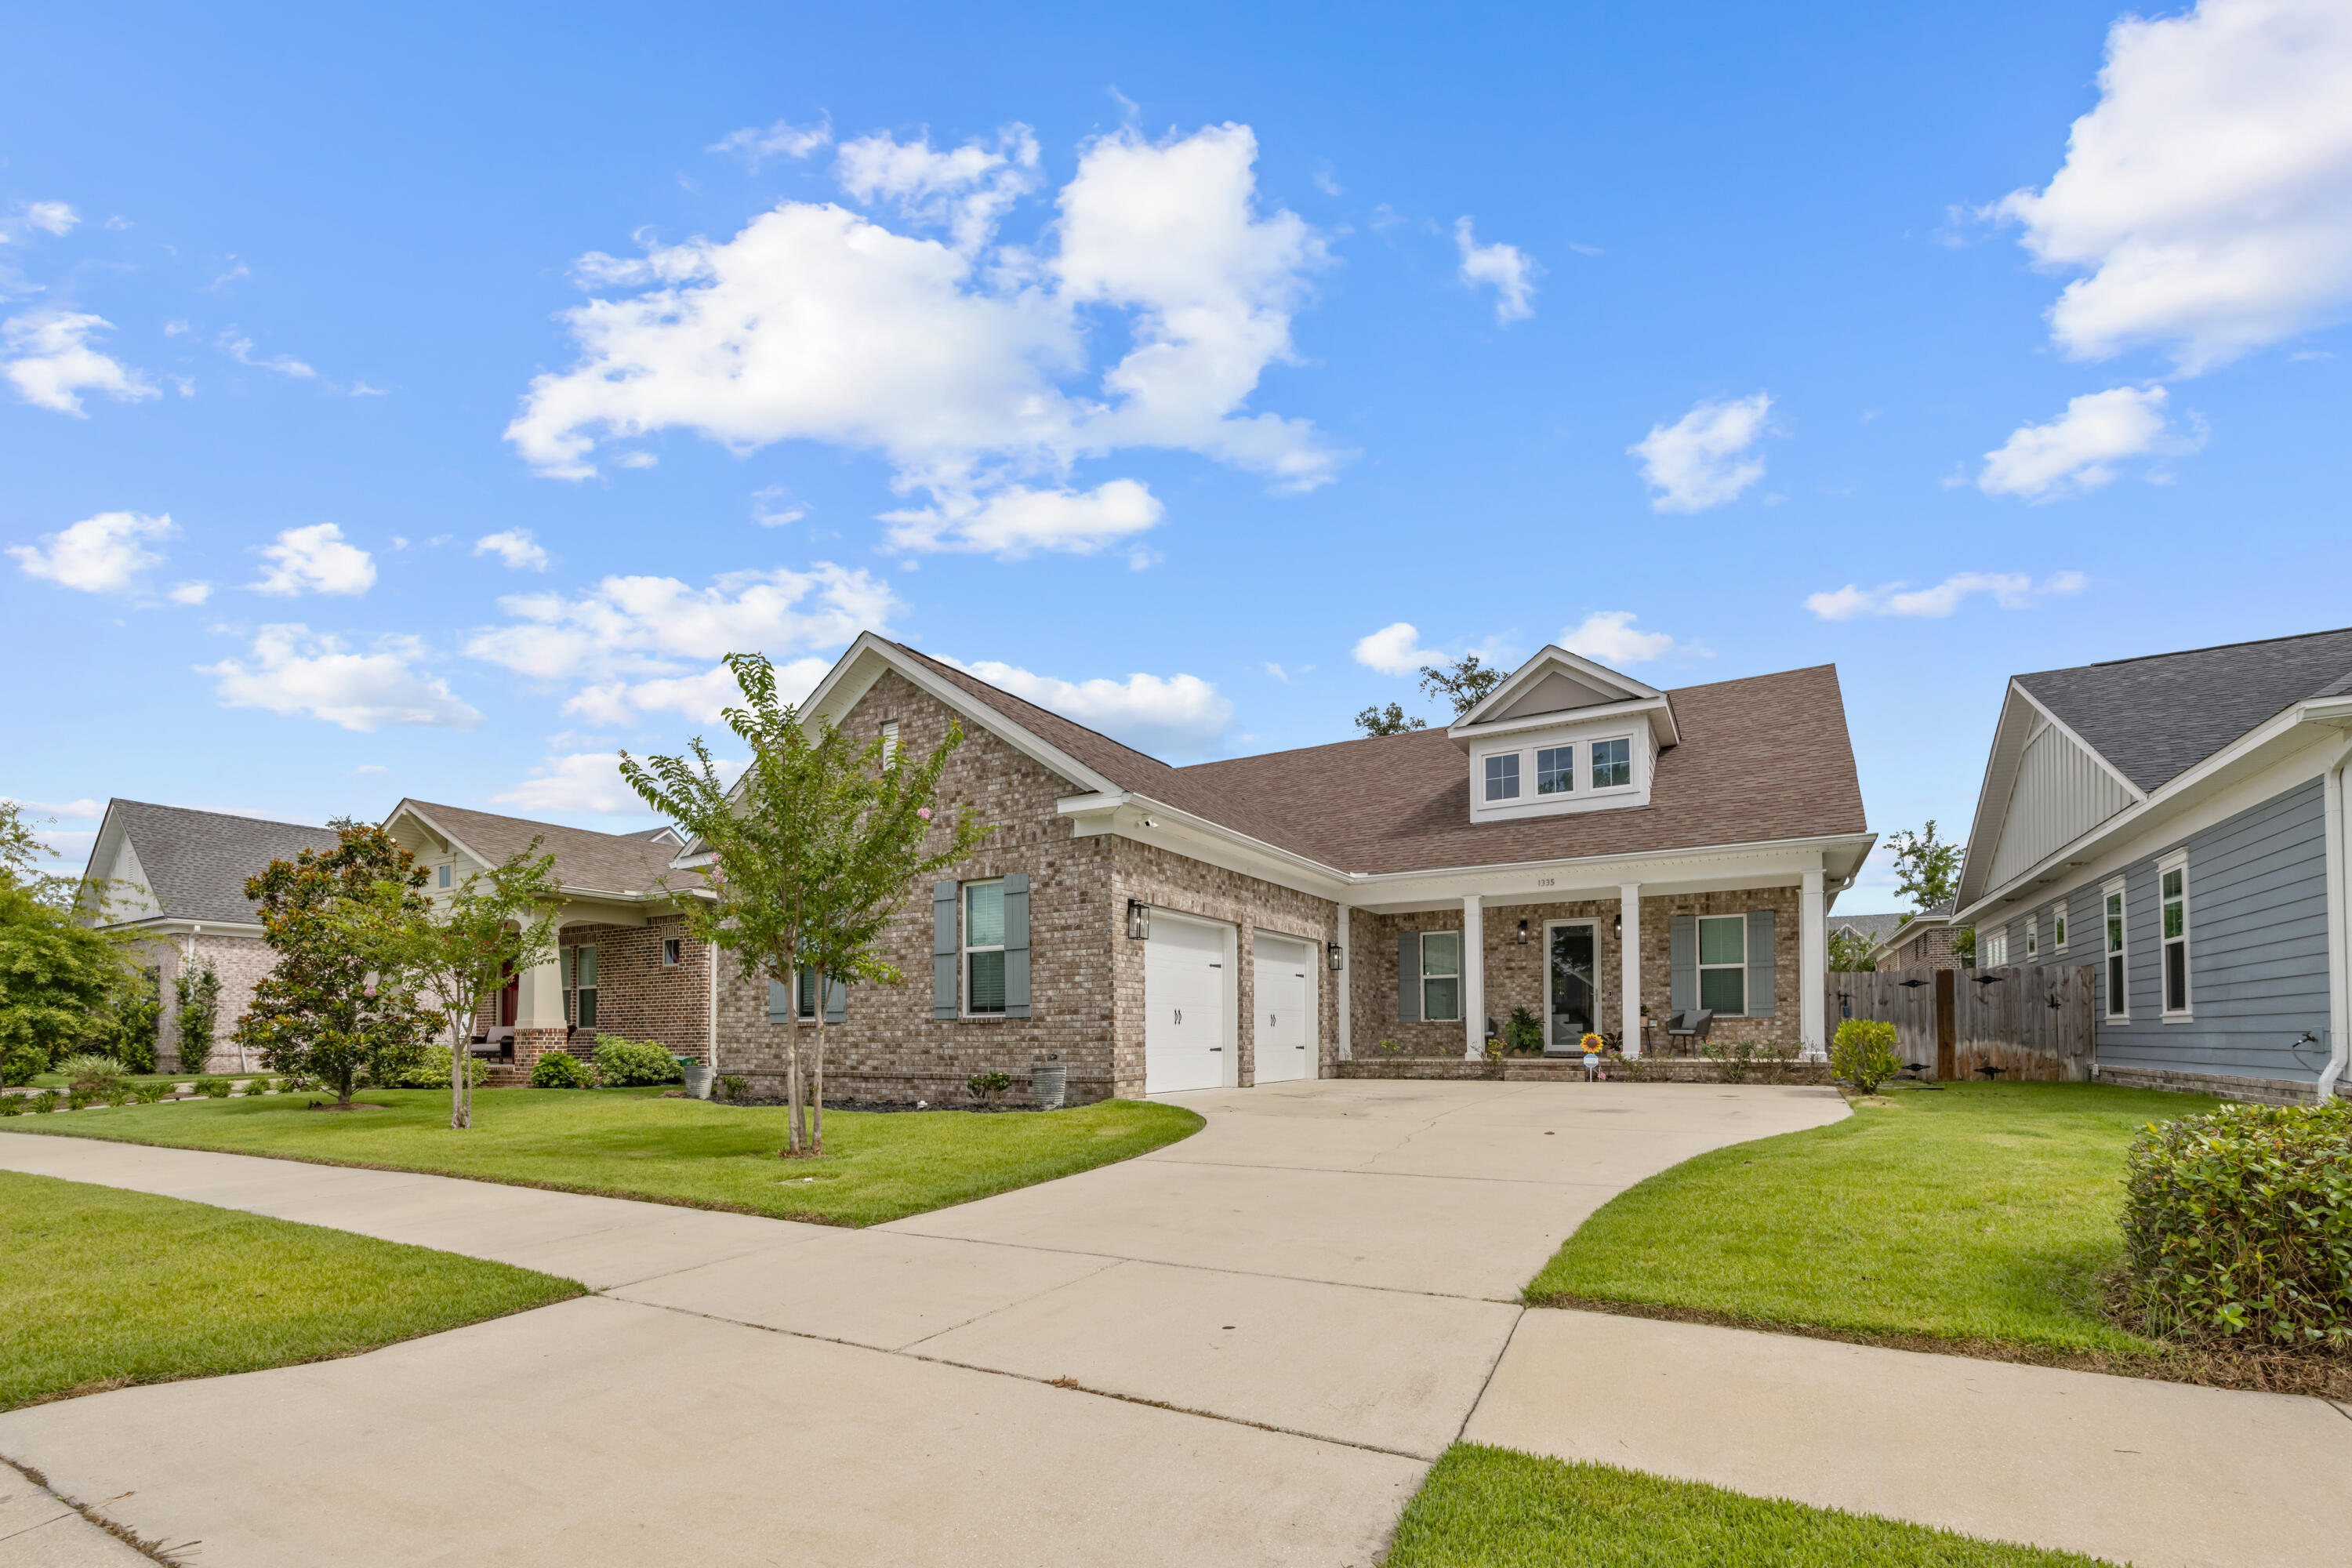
<point x="1183" y="1005"/>
<point x="1283" y="1022"/>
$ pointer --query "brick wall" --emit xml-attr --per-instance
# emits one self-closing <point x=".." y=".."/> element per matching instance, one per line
<point x="640" y="997"/>
<point x="241" y="961"/>
<point x="1929" y="950"/>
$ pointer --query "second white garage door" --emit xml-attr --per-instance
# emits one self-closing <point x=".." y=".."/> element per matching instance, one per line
<point x="1184" y="978"/>
<point x="1282" y="1019"/>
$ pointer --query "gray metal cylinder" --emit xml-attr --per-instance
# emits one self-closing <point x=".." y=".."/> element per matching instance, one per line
<point x="1047" y="1080"/>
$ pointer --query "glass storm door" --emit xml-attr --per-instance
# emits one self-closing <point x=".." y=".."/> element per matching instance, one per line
<point x="1570" y="968"/>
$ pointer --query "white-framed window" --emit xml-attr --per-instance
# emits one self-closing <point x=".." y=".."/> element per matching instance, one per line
<point x="2058" y="926"/>
<point x="444" y="876"/>
<point x="580" y="979"/>
<point x="1612" y="765"/>
<point x="1723" y="963"/>
<point x="984" y="948"/>
<point x="2033" y="939"/>
<point x="1992" y="948"/>
<point x="673" y="948"/>
<point x="1503" y="776"/>
<point x="889" y="742"/>
<point x="1441" y="977"/>
<point x="2172" y="930"/>
<point x="2118" y="994"/>
<point x="1555" y="770"/>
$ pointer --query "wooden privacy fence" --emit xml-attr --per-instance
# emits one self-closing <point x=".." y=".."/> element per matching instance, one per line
<point x="2031" y="1021"/>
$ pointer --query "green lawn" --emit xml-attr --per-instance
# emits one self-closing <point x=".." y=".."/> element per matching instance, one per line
<point x="878" y="1165"/>
<point x="102" y="1286"/>
<point x="1493" y="1508"/>
<point x="58" y="1081"/>
<point x="1983" y="1212"/>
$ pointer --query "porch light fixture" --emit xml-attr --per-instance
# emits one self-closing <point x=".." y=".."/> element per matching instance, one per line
<point x="1617" y="924"/>
<point x="1139" y="921"/>
<point x="1336" y="956"/>
<point x="1523" y="933"/>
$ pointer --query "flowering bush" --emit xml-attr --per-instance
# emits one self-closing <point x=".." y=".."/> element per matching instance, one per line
<point x="2238" y="1226"/>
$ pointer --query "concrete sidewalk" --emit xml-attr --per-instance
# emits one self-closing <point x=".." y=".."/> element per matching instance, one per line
<point x="1243" y="1348"/>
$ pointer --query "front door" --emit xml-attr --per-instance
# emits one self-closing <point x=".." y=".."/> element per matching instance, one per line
<point x="1573" y="1013"/>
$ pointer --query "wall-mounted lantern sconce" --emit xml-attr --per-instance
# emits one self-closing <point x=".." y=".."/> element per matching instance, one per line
<point x="1139" y="921"/>
<point x="1523" y="933"/>
<point x="1617" y="924"/>
<point x="1336" y="956"/>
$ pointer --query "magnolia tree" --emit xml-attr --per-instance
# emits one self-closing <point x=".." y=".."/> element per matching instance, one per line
<point x="810" y="853"/>
<point x="331" y="1008"/>
<point x="457" y="950"/>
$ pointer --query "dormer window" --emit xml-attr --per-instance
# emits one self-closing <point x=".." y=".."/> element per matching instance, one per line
<point x="1555" y="770"/>
<point x="1503" y="776"/>
<point x="1613" y="763"/>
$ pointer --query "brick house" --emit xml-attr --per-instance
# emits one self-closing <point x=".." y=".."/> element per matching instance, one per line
<point x="1923" y="941"/>
<point x="177" y="877"/>
<point x="1579" y="844"/>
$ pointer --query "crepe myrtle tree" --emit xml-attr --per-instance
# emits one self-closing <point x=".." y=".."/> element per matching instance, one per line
<point x="457" y="950"/>
<point x="810" y="853"/>
<point x="1928" y="872"/>
<point x="330" y="1009"/>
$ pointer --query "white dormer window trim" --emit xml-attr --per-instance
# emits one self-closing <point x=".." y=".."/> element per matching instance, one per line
<point x="1507" y="783"/>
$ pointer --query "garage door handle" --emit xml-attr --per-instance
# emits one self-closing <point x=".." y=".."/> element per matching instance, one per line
<point x="1179" y="1014"/>
<point x="1216" y="1047"/>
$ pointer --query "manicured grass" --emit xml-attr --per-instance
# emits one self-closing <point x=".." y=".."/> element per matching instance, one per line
<point x="58" y="1081"/>
<point x="103" y="1287"/>
<point x="1983" y="1212"/>
<point x="877" y="1165"/>
<point x="1493" y="1508"/>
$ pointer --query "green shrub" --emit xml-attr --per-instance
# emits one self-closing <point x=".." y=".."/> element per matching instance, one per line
<point x="212" y="1087"/>
<point x="1864" y="1054"/>
<point x="561" y="1069"/>
<point x="92" y="1076"/>
<point x="1523" y="1032"/>
<point x="732" y="1088"/>
<point x="13" y="1105"/>
<point x="432" y="1070"/>
<point x="254" y="1086"/>
<point x="988" y="1088"/>
<point x="47" y="1100"/>
<point x="149" y="1093"/>
<point x="2238" y="1226"/>
<point x="21" y="1061"/>
<point x="621" y="1063"/>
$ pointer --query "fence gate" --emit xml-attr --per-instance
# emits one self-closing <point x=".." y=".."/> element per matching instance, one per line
<point x="2029" y="1021"/>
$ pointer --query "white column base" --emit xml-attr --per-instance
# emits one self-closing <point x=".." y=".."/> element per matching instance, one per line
<point x="1474" y="977"/>
<point x="1629" y="959"/>
<point x="1814" y="968"/>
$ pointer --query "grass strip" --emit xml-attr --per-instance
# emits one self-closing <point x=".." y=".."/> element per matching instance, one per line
<point x="105" y="1288"/>
<point x="1495" y="1507"/>
<point x="634" y="1143"/>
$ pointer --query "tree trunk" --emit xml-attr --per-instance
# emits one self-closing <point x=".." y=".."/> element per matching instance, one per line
<point x="461" y="1071"/>
<point x="792" y="1073"/>
<point x="816" y="1137"/>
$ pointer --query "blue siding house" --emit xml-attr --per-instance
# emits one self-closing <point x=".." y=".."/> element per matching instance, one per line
<point x="2176" y="824"/>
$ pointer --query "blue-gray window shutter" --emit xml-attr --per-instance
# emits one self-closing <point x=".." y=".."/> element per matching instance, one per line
<point x="836" y="1002"/>
<point x="1761" y="1000"/>
<point x="1409" y="977"/>
<point x="946" y="990"/>
<point x="1682" y="962"/>
<point x="780" y="1003"/>
<point x="1016" y="944"/>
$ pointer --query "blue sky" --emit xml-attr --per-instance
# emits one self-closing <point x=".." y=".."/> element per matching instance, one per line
<point x="419" y="407"/>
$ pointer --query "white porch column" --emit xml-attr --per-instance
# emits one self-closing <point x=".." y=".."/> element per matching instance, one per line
<point x="1346" y="984"/>
<point x="1814" y="968"/>
<point x="1629" y="962"/>
<point x="539" y="1000"/>
<point x="1474" y="976"/>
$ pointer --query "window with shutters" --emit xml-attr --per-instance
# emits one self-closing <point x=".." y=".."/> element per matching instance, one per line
<point x="984" y="948"/>
<point x="2118" y="996"/>
<point x="1723" y="963"/>
<point x="1441" y="977"/>
<point x="2172" y="899"/>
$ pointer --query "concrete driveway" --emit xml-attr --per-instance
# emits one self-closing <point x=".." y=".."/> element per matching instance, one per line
<point x="1243" y="1348"/>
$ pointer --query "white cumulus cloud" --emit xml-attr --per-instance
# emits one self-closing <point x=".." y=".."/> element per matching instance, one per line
<point x="638" y="645"/>
<point x="1509" y="272"/>
<point x="1610" y="637"/>
<point x="190" y="593"/>
<point x="756" y="145"/>
<point x="966" y="362"/>
<point x="2077" y="452"/>
<point x="50" y="363"/>
<point x="1395" y="649"/>
<point x="293" y="670"/>
<point x="583" y="781"/>
<point x="314" y="560"/>
<point x="1707" y="457"/>
<point x="514" y="546"/>
<point x="2206" y="199"/>
<point x="101" y="554"/>
<point x="1180" y="715"/>
<point x="2010" y="590"/>
<point x="56" y="218"/>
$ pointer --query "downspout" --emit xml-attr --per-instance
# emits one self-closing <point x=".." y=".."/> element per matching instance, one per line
<point x="2339" y="929"/>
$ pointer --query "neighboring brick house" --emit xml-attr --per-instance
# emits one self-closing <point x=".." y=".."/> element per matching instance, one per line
<point x="1579" y="844"/>
<point x="180" y="874"/>
<point x="1923" y="941"/>
<point x="623" y="963"/>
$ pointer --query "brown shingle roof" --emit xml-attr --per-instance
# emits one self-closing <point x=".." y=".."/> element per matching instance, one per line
<point x="1761" y="758"/>
<point x="607" y="862"/>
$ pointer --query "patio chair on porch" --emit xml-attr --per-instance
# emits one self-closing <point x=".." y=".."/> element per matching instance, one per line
<point x="1687" y="1029"/>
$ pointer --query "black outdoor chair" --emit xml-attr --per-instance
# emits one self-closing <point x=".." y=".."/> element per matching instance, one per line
<point x="1690" y="1026"/>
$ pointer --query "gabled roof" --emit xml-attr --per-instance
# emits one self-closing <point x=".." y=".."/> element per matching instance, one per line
<point x="1872" y="929"/>
<point x="1556" y="685"/>
<point x="194" y="863"/>
<point x="1763" y="758"/>
<point x="584" y="859"/>
<point x="2154" y="717"/>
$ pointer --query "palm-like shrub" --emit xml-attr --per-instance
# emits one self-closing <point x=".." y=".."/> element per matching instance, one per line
<point x="95" y="1075"/>
<point x="2238" y="1226"/>
<point x="1863" y="1053"/>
